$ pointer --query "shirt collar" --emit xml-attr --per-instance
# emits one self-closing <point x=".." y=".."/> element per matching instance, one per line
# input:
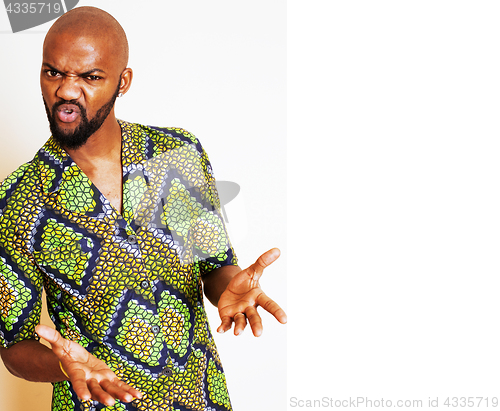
<point x="52" y="160"/>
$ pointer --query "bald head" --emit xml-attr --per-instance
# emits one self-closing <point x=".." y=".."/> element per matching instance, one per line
<point x="92" y="23"/>
<point x="84" y="69"/>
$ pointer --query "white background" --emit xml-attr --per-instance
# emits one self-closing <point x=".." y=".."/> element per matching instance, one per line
<point x="217" y="69"/>
<point x="394" y="143"/>
<point x="392" y="201"/>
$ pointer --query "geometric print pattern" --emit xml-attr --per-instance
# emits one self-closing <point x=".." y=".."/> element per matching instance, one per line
<point x="125" y="285"/>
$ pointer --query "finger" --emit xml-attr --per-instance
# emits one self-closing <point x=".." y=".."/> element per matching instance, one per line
<point x="240" y="322"/>
<point x="225" y="324"/>
<point x="117" y="389"/>
<point x="49" y="334"/>
<point x="272" y="307"/>
<point x="59" y="345"/>
<point x="99" y="394"/>
<point x="80" y="386"/>
<point x="264" y="261"/>
<point x="134" y="392"/>
<point x="126" y="392"/>
<point x="254" y="320"/>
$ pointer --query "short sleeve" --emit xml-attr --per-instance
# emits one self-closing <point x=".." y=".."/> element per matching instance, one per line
<point x="211" y="239"/>
<point x="21" y="281"/>
<point x="190" y="204"/>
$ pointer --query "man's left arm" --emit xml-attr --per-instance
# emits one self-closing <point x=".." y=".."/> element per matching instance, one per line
<point x="237" y="294"/>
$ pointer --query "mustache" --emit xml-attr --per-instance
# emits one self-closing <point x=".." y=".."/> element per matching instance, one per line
<point x="73" y="102"/>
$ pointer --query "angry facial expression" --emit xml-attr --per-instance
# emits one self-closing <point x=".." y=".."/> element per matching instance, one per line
<point x="80" y="80"/>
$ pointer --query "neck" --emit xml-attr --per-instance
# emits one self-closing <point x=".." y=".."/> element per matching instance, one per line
<point x="104" y="144"/>
<point x="100" y="160"/>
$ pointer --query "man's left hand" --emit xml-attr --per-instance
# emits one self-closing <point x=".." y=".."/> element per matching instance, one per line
<point x="239" y="302"/>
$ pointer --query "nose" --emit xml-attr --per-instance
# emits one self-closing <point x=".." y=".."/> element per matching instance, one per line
<point x="69" y="88"/>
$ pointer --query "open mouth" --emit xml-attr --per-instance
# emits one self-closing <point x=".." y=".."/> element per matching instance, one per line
<point x="68" y="113"/>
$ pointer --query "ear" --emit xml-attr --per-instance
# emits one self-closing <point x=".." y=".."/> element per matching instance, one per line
<point x="126" y="80"/>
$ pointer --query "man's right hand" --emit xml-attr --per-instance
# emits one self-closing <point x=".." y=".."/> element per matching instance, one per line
<point x="90" y="377"/>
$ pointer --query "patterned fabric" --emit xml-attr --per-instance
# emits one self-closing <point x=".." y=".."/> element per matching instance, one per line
<point x="125" y="286"/>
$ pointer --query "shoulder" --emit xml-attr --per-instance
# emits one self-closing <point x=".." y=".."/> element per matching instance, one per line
<point x="19" y="183"/>
<point x="175" y="132"/>
<point x="163" y="138"/>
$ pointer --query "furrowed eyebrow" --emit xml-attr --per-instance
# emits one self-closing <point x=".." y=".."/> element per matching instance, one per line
<point x="95" y="70"/>
<point x="51" y="67"/>
<point x="87" y="73"/>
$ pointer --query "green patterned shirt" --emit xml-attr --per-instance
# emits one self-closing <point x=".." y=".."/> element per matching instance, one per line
<point x="126" y="286"/>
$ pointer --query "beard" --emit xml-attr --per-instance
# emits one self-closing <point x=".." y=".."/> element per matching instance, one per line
<point x="78" y="137"/>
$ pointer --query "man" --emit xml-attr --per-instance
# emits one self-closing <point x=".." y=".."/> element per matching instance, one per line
<point x="120" y="224"/>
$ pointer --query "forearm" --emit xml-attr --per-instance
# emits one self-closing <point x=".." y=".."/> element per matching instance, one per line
<point x="217" y="280"/>
<point x="32" y="361"/>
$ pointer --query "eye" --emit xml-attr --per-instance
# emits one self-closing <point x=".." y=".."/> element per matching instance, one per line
<point x="51" y="73"/>
<point x="92" y="77"/>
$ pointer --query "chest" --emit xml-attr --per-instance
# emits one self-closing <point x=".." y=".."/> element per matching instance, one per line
<point x="108" y="180"/>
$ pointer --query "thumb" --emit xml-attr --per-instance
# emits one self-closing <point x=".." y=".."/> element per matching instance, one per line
<point x="270" y="256"/>
<point x="264" y="261"/>
<point x="49" y="334"/>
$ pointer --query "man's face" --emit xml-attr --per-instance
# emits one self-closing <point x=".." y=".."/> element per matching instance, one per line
<point x="80" y="81"/>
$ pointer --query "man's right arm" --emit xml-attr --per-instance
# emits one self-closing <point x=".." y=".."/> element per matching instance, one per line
<point x="90" y="377"/>
<point x="27" y="358"/>
<point x="32" y="361"/>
